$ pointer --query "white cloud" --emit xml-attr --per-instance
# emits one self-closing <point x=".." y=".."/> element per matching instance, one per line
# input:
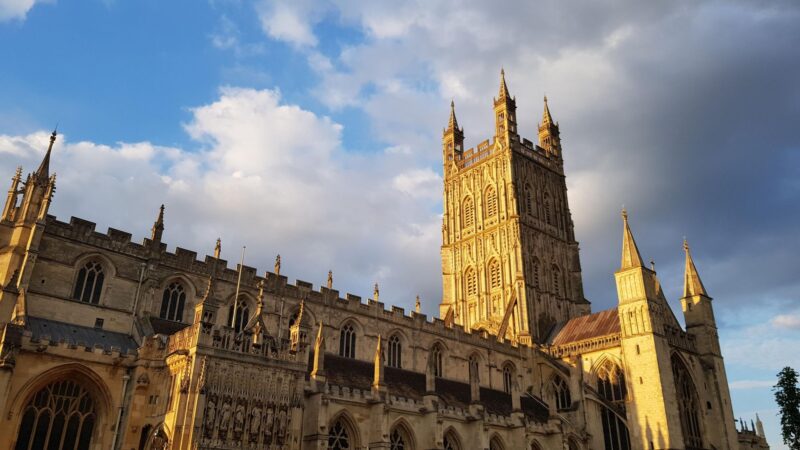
<point x="268" y="175"/>
<point x="291" y="22"/>
<point x="15" y="9"/>
<point x="788" y="321"/>
<point x="751" y="384"/>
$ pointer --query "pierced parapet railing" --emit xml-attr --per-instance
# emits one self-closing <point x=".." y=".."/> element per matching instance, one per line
<point x="227" y="339"/>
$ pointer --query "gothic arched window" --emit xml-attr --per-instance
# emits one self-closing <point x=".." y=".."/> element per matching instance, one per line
<point x="561" y="393"/>
<point x="172" y="302"/>
<point x="495" y="280"/>
<point x="687" y="404"/>
<point x="529" y="200"/>
<point x="471" y="282"/>
<point x="491" y="202"/>
<point x="347" y="341"/>
<point x="548" y="214"/>
<point x="395" y="352"/>
<point x="508" y="378"/>
<point x="556" y="280"/>
<point x="61" y="416"/>
<point x="399" y="439"/>
<point x="242" y="312"/>
<point x="436" y="361"/>
<point x="451" y="442"/>
<point x="468" y="213"/>
<point x="89" y="284"/>
<point x="339" y="437"/>
<point x="611" y="386"/>
<point x="495" y="444"/>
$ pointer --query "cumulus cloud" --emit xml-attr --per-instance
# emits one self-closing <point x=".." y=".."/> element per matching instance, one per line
<point x="15" y="9"/>
<point x="788" y="321"/>
<point x="291" y="22"/>
<point x="265" y="174"/>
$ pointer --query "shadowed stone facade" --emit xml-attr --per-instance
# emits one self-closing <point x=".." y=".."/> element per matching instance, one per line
<point x="112" y="344"/>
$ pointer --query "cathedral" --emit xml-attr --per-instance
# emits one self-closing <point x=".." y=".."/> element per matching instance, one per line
<point x="106" y="343"/>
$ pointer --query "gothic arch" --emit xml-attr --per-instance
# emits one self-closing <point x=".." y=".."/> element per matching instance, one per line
<point x="245" y="308"/>
<point x="190" y="293"/>
<point x="83" y="377"/>
<point x="467" y="212"/>
<point x="157" y="432"/>
<point x="688" y="402"/>
<point x="345" y="420"/>
<point x="535" y="445"/>
<point x="604" y="360"/>
<point x="109" y="271"/>
<point x="349" y="331"/>
<point x="509" y="371"/>
<point x="496" y="443"/>
<point x="451" y="440"/>
<point x="406" y="429"/>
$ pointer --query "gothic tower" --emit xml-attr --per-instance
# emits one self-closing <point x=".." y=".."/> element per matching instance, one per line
<point x="510" y="262"/>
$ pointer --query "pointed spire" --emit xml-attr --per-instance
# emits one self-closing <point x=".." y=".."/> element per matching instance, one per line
<point x="158" y="226"/>
<point x="692" y="285"/>
<point x="218" y="248"/>
<point x="43" y="172"/>
<point x="503" y="86"/>
<point x="452" y="124"/>
<point x="547" y="119"/>
<point x="377" y="379"/>
<point x="630" y="253"/>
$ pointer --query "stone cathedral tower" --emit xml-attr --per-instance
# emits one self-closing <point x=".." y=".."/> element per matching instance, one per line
<point x="510" y="262"/>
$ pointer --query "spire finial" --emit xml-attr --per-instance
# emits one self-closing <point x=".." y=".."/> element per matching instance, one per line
<point x="547" y="119"/>
<point x="43" y="172"/>
<point x="278" y="265"/>
<point x="158" y="226"/>
<point x="218" y="248"/>
<point x="376" y="292"/>
<point x="692" y="285"/>
<point x="330" y="279"/>
<point x="452" y="124"/>
<point x="630" y="252"/>
<point x="418" y="305"/>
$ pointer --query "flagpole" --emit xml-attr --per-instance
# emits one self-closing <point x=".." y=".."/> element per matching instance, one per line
<point x="238" y="284"/>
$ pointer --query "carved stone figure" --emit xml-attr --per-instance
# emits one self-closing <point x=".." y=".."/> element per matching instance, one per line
<point x="281" y="423"/>
<point x="225" y="415"/>
<point x="238" y="419"/>
<point x="268" y="421"/>
<point x="255" y="421"/>
<point x="211" y="415"/>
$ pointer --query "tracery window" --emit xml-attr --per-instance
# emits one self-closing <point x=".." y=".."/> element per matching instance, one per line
<point x="687" y="404"/>
<point x="495" y="281"/>
<point x="508" y="378"/>
<point x="611" y="386"/>
<point x="395" y="352"/>
<point x="450" y="442"/>
<point x="436" y="361"/>
<point x="491" y="202"/>
<point x="89" y="284"/>
<point x="495" y="444"/>
<point x="472" y="282"/>
<point x="468" y="211"/>
<point x="172" y="302"/>
<point x="338" y="437"/>
<point x="347" y="342"/>
<point x="561" y="393"/>
<point x="556" y="280"/>
<point x="398" y="440"/>
<point x="61" y="416"/>
<point x="242" y="313"/>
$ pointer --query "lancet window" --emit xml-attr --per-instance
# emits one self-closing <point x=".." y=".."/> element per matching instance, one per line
<point x="491" y="202"/>
<point x="495" y="444"/>
<point x="89" y="284"/>
<point x="339" y="437"/>
<point x="399" y="440"/>
<point x="687" y="404"/>
<point x="561" y="393"/>
<point x="508" y="378"/>
<point x="172" y="302"/>
<point x="548" y="214"/>
<point x="611" y="386"/>
<point x="436" y="361"/>
<point x="468" y="212"/>
<point x="61" y="416"/>
<point x="556" y="280"/>
<point x="450" y="442"/>
<point x="495" y="280"/>
<point x="347" y="341"/>
<point x="395" y="352"/>
<point x="238" y="315"/>
<point x="471" y="282"/>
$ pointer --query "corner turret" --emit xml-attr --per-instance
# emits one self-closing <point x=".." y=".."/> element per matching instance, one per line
<point x="452" y="141"/>
<point x="697" y="309"/>
<point x="505" y="115"/>
<point x="549" y="135"/>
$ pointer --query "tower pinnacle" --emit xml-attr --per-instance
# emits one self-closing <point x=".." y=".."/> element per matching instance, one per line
<point x="630" y="253"/>
<point x="692" y="285"/>
<point x="452" y="124"/>
<point x="158" y="226"/>
<point x="547" y="119"/>
<point x="503" y="86"/>
<point x="43" y="172"/>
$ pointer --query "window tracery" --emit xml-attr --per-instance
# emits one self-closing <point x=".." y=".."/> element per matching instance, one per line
<point x="611" y="387"/>
<point x="472" y="282"/>
<point x="89" y="284"/>
<point x="491" y="202"/>
<point x="339" y="437"/>
<point x="468" y="213"/>
<point x="395" y="352"/>
<point x="436" y="361"/>
<point x="347" y="342"/>
<point x="495" y="280"/>
<point x="242" y="313"/>
<point x="60" y="416"/>
<point x="562" y="394"/>
<point x="688" y="404"/>
<point x="508" y="378"/>
<point x="398" y="440"/>
<point x="450" y="442"/>
<point x="172" y="302"/>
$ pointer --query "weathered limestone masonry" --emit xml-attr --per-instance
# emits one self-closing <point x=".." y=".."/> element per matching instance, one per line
<point x="111" y="344"/>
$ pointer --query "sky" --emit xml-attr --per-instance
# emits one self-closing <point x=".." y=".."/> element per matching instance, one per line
<point x="312" y="129"/>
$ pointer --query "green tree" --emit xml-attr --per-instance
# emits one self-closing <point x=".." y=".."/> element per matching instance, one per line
<point x="787" y="395"/>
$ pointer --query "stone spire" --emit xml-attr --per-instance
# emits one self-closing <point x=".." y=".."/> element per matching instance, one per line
<point x="549" y="134"/>
<point x="452" y="124"/>
<point x="13" y="194"/>
<point x="547" y="119"/>
<point x="503" y="86"/>
<point x="218" y="248"/>
<point x="158" y="226"/>
<point x="630" y="253"/>
<point x="759" y="427"/>
<point x="43" y="172"/>
<point x="692" y="285"/>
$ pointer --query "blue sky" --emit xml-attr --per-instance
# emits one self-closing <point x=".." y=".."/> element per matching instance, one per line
<point x="311" y="129"/>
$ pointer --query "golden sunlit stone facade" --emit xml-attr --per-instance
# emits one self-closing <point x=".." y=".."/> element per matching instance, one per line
<point x="107" y="343"/>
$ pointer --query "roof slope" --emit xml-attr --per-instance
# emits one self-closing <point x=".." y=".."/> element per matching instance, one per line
<point x="590" y="326"/>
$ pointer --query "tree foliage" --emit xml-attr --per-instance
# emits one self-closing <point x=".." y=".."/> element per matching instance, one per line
<point x="787" y="395"/>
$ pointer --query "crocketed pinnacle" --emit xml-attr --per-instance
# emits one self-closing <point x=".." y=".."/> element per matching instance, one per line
<point x="630" y="253"/>
<point x="547" y="119"/>
<point x="452" y="124"/>
<point x="43" y="172"/>
<point x="503" y="87"/>
<point x="158" y="226"/>
<point x="692" y="285"/>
